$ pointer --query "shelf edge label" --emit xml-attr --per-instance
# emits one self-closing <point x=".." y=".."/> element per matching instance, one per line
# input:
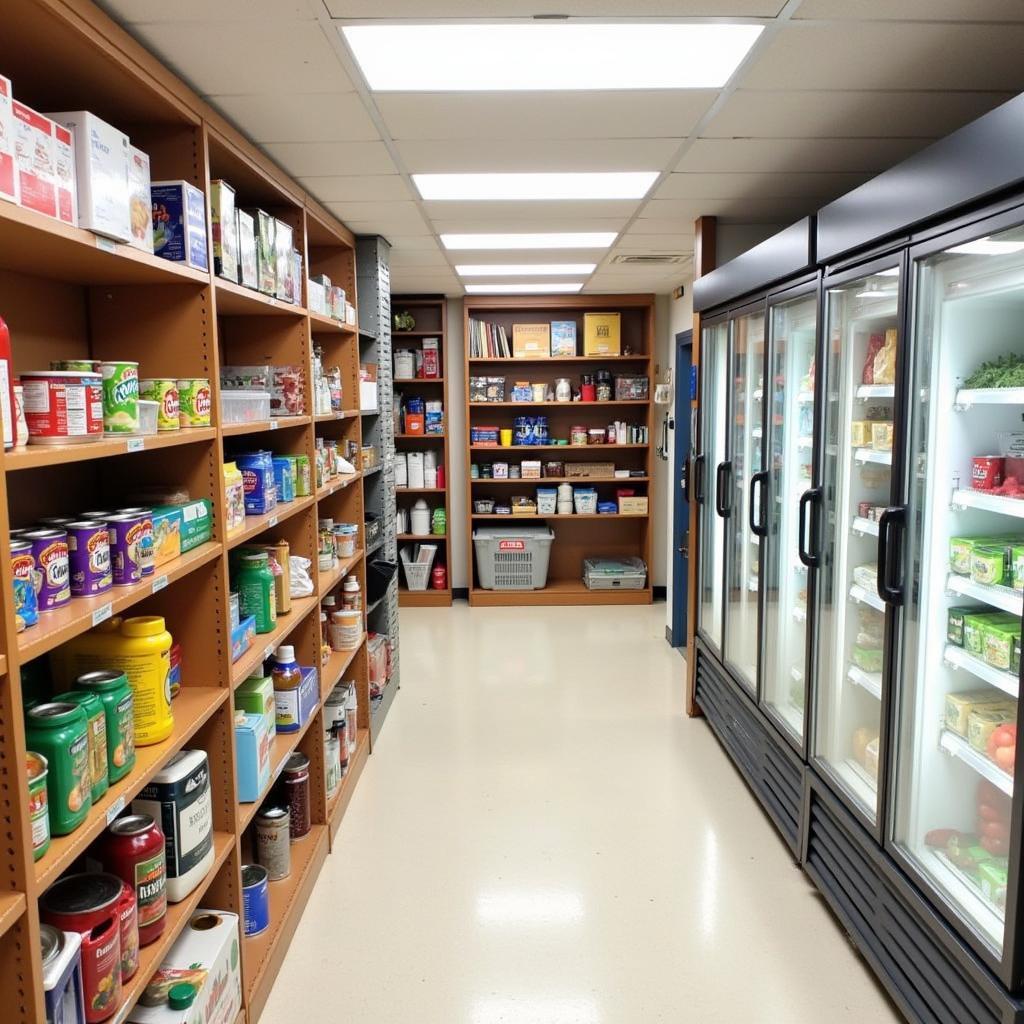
<point x="106" y="244"/>
<point x="272" y="521"/>
<point x="115" y="809"/>
<point x="102" y="614"/>
<point x="273" y="425"/>
<point x="159" y="583"/>
<point x="136" y="444"/>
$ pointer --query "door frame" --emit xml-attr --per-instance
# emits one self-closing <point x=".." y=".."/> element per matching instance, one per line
<point x="682" y="450"/>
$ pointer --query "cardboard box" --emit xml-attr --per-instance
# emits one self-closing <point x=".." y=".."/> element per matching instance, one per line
<point x="297" y="275"/>
<point x="255" y="696"/>
<point x="196" y="525"/>
<point x="284" y="279"/>
<point x="64" y="179"/>
<point x="140" y="200"/>
<point x="531" y="341"/>
<point x="166" y="534"/>
<point x="586" y="470"/>
<point x="602" y="334"/>
<point x="252" y="756"/>
<point x="563" y="338"/>
<point x="350" y="314"/>
<point x="294" y="707"/>
<point x="242" y="637"/>
<point x="431" y="358"/>
<point x="224" y="228"/>
<point x="101" y="169"/>
<point x="33" y="154"/>
<point x="179" y="223"/>
<point x="266" y="254"/>
<point x="316" y="297"/>
<point x="336" y="302"/>
<point x="248" y="265"/>
<point x="205" y="954"/>
<point x="8" y="175"/>
<point x="633" y="506"/>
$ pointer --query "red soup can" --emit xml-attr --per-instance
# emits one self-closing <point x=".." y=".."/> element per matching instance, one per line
<point x="134" y="850"/>
<point x="89" y="905"/>
<point x="128" y="918"/>
<point x="62" y="406"/>
<point x="987" y="472"/>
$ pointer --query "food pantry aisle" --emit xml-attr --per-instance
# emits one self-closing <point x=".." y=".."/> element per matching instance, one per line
<point x="543" y="838"/>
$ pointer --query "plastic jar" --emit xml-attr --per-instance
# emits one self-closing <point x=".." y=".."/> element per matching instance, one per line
<point x="115" y="695"/>
<point x="563" y="390"/>
<point x="96" y="731"/>
<point x="256" y="590"/>
<point x="143" y="653"/>
<point x="134" y="850"/>
<point x="59" y="732"/>
<point x="346" y="629"/>
<point x="351" y="594"/>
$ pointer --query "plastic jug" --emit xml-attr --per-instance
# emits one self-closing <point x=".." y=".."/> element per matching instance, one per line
<point x="420" y="517"/>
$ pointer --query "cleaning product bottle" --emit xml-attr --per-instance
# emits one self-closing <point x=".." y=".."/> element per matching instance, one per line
<point x="286" y="676"/>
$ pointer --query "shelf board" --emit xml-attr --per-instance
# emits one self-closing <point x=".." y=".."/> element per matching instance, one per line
<point x="320" y="323"/>
<point x="35" y="455"/>
<point x="335" y="667"/>
<point x="559" y="592"/>
<point x="557" y="405"/>
<point x="255" y="525"/>
<point x="338" y="804"/>
<point x="236" y="300"/>
<point x="988" y="502"/>
<point x="428" y="598"/>
<point x="330" y="578"/>
<point x="259" y="426"/>
<point x="341" y="414"/>
<point x="560" y="359"/>
<point x="420" y="490"/>
<point x="372" y="470"/>
<point x="12" y="906"/>
<point x="80" y="614"/>
<point x="957" y="657"/>
<point x="864" y="527"/>
<point x="417" y="334"/>
<point x="868" y="391"/>
<point x="870" y="455"/>
<point x="423" y="538"/>
<point x="338" y="483"/>
<point x="870" y="681"/>
<point x="264" y="644"/>
<point x="959" y="748"/>
<point x="1005" y="598"/>
<point x="31" y="243"/>
<point x="192" y="708"/>
<point x="545" y="480"/>
<point x="864" y="596"/>
<point x="418" y="380"/>
<point x="420" y="437"/>
<point x="965" y="891"/>
<point x="178" y="915"/>
<point x="966" y="397"/>
<point x="574" y="448"/>
<point x="572" y="515"/>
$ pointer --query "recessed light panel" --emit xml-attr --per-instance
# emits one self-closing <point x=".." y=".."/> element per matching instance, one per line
<point x="572" y="185"/>
<point x="532" y="240"/>
<point x="538" y="288"/>
<point x="523" y="269"/>
<point x="565" y="56"/>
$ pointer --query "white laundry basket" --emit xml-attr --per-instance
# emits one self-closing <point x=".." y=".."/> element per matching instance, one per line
<point x="512" y="558"/>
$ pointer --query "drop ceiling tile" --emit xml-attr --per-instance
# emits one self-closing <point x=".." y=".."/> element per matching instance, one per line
<point x="617" y="283"/>
<point x="357" y="188"/>
<point x="923" y="10"/>
<point x="800" y="114"/>
<point x="306" y="159"/>
<point x="413" y="283"/>
<point x="350" y="10"/>
<point x="425" y="258"/>
<point x="467" y="155"/>
<point x="537" y="223"/>
<point x="397" y="212"/>
<point x="387" y="228"/>
<point x="758" y="210"/>
<point x="514" y="210"/>
<point x="249" y="56"/>
<point x="820" y="155"/>
<point x="205" y="11"/>
<point x="407" y="243"/>
<point x="757" y="185"/>
<point x="669" y="113"/>
<point x="890" y="55"/>
<point x="640" y="238"/>
<point x="314" y="117"/>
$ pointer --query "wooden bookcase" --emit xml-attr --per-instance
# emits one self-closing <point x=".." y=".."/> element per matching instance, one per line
<point x="431" y="315"/>
<point x="576" y="536"/>
<point x="63" y="295"/>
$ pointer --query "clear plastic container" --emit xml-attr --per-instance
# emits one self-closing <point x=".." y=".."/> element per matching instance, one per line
<point x="148" y="412"/>
<point x="244" y="406"/>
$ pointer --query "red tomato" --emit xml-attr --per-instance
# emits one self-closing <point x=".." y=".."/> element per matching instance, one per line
<point x="997" y="847"/>
<point x="995" y="830"/>
<point x="1004" y="757"/>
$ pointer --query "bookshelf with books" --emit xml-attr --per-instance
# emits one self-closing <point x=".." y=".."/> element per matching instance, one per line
<point x="421" y="441"/>
<point x="535" y="388"/>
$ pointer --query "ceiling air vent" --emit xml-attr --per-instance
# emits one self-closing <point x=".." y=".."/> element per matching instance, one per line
<point x="651" y="259"/>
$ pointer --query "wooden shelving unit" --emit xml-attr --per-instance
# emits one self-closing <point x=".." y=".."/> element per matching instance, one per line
<point x="576" y="536"/>
<point x="64" y="295"/>
<point x="431" y="313"/>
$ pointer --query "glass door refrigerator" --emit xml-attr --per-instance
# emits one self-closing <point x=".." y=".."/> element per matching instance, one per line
<point x="862" y="314"/>
<point x="955" y="820"/>
<point x="777" y="503"/>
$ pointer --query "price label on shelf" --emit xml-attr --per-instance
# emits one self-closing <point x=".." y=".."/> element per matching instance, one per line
<point x="102" y="614"/>
<point x="272" y="521"/>
<point x="115" y="809"/>
<point x="159" y="583"/>
<point x="268" y="651"/>
<point x="106" y="244"/>
<point x="274" y="425"/>
<point x="136" y="444"/>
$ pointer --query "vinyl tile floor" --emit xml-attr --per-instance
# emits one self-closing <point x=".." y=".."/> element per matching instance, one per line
<point x="543" y="837"/>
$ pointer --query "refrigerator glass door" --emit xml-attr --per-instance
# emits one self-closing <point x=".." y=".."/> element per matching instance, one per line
<point x="860" y="387"/>
<point x="743" y="547"/>
<point x="714" y="357"/>
<point x="960" y="667"/>
<point x="793" y="326"/>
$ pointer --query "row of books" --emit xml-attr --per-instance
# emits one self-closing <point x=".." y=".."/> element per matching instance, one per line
<point x="488" y="341"/>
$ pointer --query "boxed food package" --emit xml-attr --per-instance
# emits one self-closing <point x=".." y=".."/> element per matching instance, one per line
<point x="881" y="436"/>
<point x="206" y="956"/>
<point x="959" y="707"/>
<point x="166" y="534"/>
<point x="589" y="469"/>
<point x="860" y="433"/>
<point x="431" y="358"/>
<point x="266" y="253"/>
<point x="284" y="478"/>
<point x="33" y="158"/>
<point x="179" y="223"/>
<point x="258" y="479"/>
<point x="530" y="469"/>
<point x="102" y="172"/>
<point x="960" y="551"/>
<point x="316" y="297"/>
<point x="288" y="391"/>
<point x="350" y="314"/>
<point x="8" y="176"/>
<point x="294" y="707"/>
<point x="242" y="636"/>
<point x="224" y="225"/>
<point x="336" y="302"/>
<point x="988" y="564"/>
<point x="974" y="629"/>
<point x="982" y="722"/>
<point x="233" y="609"/>
<point x="64" y="178"/>
<point x="531" y="341"/>
<point x="252" y="756"/>
<point x="993" y="878"/>
<point x="248" y="272"/>
<point x="997" y="643"/>
<point x="602" y="334"/>
<point x="234" y="499"/>
<point x="633" y="506"/>
<point x="563" y="338"/>
<point x="140" y="200"/>
<point x="955" y="624"/>
<point x="255" y="696"/>
<point x="285" y="280"/>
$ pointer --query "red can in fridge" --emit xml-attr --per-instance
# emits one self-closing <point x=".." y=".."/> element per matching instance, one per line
<point x="987" y="472"/>
<point x="90" y="906"/>
<point x="134" y="850"/>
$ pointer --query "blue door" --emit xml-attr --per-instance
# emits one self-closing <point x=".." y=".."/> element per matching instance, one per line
<point x="685" y="382"/>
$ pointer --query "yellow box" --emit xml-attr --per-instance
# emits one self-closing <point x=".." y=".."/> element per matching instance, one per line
<point x="881" y="436"/>
<point x="602" y="334"/>
<point x="531" y="341"/>
<point x="860" y="433"/>
<point x="633" y="505"/>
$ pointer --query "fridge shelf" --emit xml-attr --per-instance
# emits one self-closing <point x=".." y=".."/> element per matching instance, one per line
<point x="864" y="526"/>
<point x="966" y="397"/>
<point x="1005" y="598"/>
<point x="870" y="455"/>
<point x="958" y="747"/>
<point x="957" y="657"/>
<point x="800" y="614"/>
<point x="805" y="442"/>
<point x="805" y="398"/>
<point x="965" y="892"/>
<point x="869" y="391"/>
<point x="870" y="681"/>
<point x="966" y="498"/>
<point x="859" y="782"/>
<point x="752" y="584"/>
<point x="868" y="597"/>
<point x="757" y="432"/>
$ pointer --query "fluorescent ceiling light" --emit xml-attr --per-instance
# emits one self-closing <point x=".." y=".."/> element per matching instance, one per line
<point x="534" y="288"/>
<point x="542" y="240"/>
<point x="523" y="269"/>
<point x="476" y="58"/>
<point x="987" y="247"/>
<point x="572" y="185"/>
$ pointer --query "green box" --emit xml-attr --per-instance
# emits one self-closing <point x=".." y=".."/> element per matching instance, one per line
<point x="997" y="643"/>
<point x="255" y="696"/>
<point x="974" y="624"/>
<point x="955" y="623"/>
<point x="196" y="521"/>
<point x="960" y="551"/>
<point x="989" y="564"/>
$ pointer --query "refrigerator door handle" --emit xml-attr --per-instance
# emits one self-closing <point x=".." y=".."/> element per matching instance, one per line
<point x="758" y="501"/>
<point x="698" y="479"/>
<point x="891" y="520"/>
<point x="723" y="470"/>
<point x="812" y="559"/>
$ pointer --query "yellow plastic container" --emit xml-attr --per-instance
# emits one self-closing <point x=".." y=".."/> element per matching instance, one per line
<point x="141" y="648"/>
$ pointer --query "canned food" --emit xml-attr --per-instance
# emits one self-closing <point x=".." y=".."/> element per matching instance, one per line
<point x="118" y="703"/>
<point x="273" y="844"/>
<point x="23" y="566"/>
<point x="89" y="558"/>
<point x="128" y="916"/>
<point x="165" y="393"/>
<point x="987" y="472"/>
<point x="58" y="730"/>
<point x="864" y="510"/>
<point x="147" y="553"/>
<point x="96" y="732"/>
<point x="295" y="779"/>
<point x="596" y="435"/>
<point x="38" y="814"/>
<point x="76" y="365"/>
<point x="126" y="534"/>
<point x="120" y="397"/>
<point x="50" y="552"/>
<point x="134" y="850"/>
<point x="578" y="435"/>
<point x="255" y="899"/>
<point x="62" y="406"/>
<point x="194" y="402"/>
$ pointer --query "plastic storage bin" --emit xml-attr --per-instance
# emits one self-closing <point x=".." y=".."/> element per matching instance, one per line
<point x="512" y="558"/>
<point x="614" y="573"/>
<point x="417" y="563"/>
<point x="244" y="406"/>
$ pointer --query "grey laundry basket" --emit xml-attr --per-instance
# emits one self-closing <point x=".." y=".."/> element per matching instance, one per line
<point x="512" y="557"/>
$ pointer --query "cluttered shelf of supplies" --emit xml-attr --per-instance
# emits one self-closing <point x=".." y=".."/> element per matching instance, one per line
<point x="558" y="454"/>
<point x="208" y="622"/>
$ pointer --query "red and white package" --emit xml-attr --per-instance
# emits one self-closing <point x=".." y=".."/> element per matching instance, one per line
<point x="288" y="391"/>
<point x="33" y="147"/>
<point x="8" y="178"/>
<point x="64" y="174"/>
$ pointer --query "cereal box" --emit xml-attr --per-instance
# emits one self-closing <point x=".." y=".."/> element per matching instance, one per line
<point x="563" y="337"/>
<point x="8" y="178"/>
<point x="33" y="142"/>
<point x="225" y="228"/>
<point x="285" y="286"/>
<point x="266" y="253"/>
<point x="179" y="223"/>
<point x="248" y="273"/>
<point x="64" y="174"/>
<point x="140" y="201"/>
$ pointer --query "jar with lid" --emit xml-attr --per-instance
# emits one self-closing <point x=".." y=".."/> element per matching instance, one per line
<point x="588" y="391"/>
<point x="256" y="590"/>
<point x="563" y="390"/>
<point x="295" y="783"/>
<point x="351" y="594"/>
<point x="134" y="849"/>
<point x="604" y="385"/>
<point x="58" y="731"/>
<point x="96" y="730"/>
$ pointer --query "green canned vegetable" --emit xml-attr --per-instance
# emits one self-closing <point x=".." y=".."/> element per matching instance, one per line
<point x="194" y="402"/>
<point x="165" y="393"/>
<point x="96" y="720"/>
<point x="115" y="695"/>
<point x="59" y="732"/>
<point x="120" y="397"/>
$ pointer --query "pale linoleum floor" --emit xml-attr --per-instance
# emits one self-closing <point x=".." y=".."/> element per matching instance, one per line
<point x="542" y="837"/>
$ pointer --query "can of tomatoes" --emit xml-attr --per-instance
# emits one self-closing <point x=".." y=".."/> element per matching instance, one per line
<point x="134" y="849"/>
<point x="987" y="472"/>
<point x="62" y="406"/>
